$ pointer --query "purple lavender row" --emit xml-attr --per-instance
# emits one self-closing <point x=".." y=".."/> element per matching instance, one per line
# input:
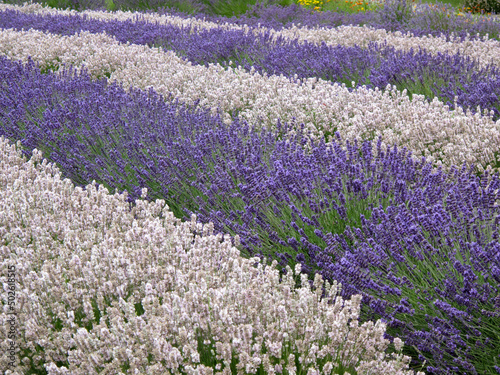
<point x="442" y="76"/>
<point x="421" y="247"/>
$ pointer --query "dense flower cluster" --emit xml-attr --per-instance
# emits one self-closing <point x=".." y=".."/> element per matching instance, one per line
<point x="424" y="20"/>
<point x="453" y="79"/>
<point x="227" y="140"/>
<point x="284" y="203"/>
<point x="105" y="289"/>
<point x="447" y="137"/>
<point x="483" y="49"/>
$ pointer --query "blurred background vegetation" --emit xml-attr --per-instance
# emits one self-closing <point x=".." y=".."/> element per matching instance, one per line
<point x="230" y="8"/>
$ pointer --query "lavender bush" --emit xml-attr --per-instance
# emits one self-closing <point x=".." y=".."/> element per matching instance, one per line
<point x="446" y="137"/>
<point x="181" y="6"/>
<point x="432" y="256"/>
<point x="106" y="290"/>
<point x="378" y="223"/>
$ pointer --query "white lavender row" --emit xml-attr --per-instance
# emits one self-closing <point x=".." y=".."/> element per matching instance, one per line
<point x="447" y="137"/>
<point x="70" y="261"/>
<point x="484" y="50"/>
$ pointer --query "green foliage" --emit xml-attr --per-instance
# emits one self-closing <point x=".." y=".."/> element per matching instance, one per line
<point x="453" y="3"/>
<point x="227" y="8"/>
<point x="110" y="5"/>
<point x="350" y="6"/>
<point x="483" y="6"/>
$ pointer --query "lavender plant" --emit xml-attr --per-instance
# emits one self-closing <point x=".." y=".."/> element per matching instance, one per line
<point x="160" y="297"/>
<point x="185" y="7"/>
<point x="377" y="223"/>
<point x="430" y="267"/>
<point x="438" y="17"/>
<point x="398" y="12"/>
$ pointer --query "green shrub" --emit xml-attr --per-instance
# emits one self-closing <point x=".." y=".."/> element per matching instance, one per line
<point x="486" y="6"/>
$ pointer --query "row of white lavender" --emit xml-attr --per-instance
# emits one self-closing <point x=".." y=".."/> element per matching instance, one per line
<point x="485" y="51"/>
<point x="445" y="137"/>
<point x="76" y="250"/>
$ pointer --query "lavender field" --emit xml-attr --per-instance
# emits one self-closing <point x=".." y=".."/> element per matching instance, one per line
<point x="267" y="188"/>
